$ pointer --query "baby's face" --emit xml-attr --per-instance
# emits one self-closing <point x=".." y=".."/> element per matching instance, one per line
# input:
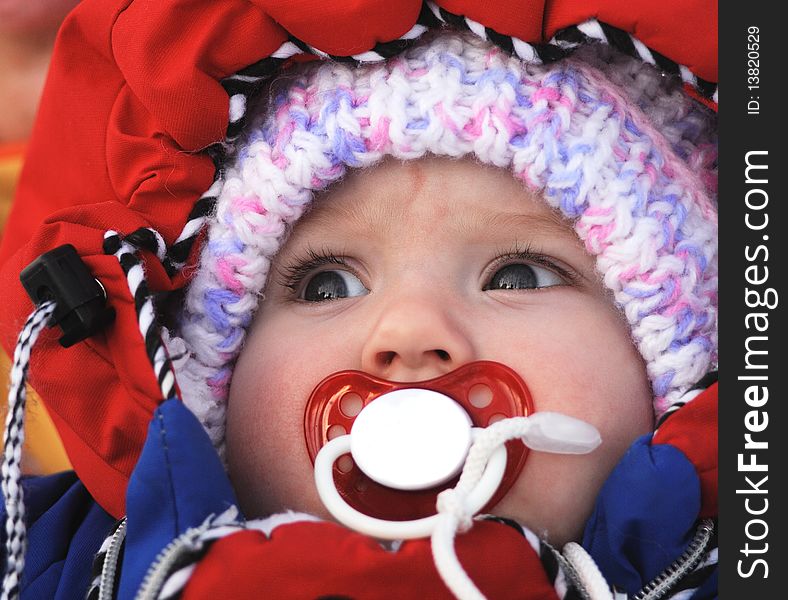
<point x="407" y="271"/>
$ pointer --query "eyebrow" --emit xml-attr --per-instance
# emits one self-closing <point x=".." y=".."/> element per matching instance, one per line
<point x="379" y="216"/>
<point x="323" y="214"/>
<point x="550" y="223"/>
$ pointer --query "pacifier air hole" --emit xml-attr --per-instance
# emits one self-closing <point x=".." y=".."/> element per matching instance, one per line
<point x="487" y="391"/>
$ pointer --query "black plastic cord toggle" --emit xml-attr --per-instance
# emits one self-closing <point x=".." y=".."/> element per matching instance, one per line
<point x="61" y="276"/>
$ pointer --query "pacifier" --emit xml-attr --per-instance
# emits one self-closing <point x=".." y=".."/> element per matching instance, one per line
<point x="399" y="461"/>
<point x="409" y="440"/>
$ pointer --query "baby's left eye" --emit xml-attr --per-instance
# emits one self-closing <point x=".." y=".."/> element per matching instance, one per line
<point x="522" y="276"/>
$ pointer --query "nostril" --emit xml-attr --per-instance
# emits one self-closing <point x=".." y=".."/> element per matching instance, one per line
<point x="386" y="358"/>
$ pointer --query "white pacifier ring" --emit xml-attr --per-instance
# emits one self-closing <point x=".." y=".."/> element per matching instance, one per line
<point x="408" y="439"/>
<point x="394" y="530"/>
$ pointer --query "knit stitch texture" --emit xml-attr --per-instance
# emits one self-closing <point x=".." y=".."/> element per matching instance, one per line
<point x="622" y="155"/>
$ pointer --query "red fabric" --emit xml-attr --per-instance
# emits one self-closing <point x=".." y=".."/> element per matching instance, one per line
<point x="693" y="430"/>
<point x="522" y="19"/>
<point x="683" y="30"/>
<point x="313" y="560"/>
<point x="133" y="95"/>
<point x="347" y="27"/>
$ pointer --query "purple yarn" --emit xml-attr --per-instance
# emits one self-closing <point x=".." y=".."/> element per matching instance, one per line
<point x="553" y="80"/>
<point x="300" y="118"/>
<point x="497" y="77"/>
<point x="418" y="124"/>
<point x="554" y="113"/>
<point x="453" y="62"/>
<point x="235" y="335"/>
<point x="345" y="146"/>
<point x="667" y="234"/>
<point x="668" y="290"/>
<point x="226" y="246"/>
<point x="662" y="383"/>
<point x="521" y="99"/>
<point x="681" y="213"/>
<point x="338" y="98"/>
<point x="569" y="197"/>
<point x="640" y="293"/>
<point x="630" y="126"/>
<point x="693" y="251"/>
<point x="581" y="149"/>
<point x="586" y="99"/>
<point x="215" y="299"/>
<point x="686" y="320"/>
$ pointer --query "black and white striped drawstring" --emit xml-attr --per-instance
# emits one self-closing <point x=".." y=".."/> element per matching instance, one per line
<point x="565" y="41"/>
<point x="150" y="329"/>
<point x="15" y="530"/>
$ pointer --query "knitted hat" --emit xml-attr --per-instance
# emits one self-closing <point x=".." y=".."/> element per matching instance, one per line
<point x="619" y="150"/>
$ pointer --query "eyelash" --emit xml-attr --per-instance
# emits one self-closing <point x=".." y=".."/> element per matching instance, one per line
<point x="292" y="276"/>
<point x="530" y="255"/>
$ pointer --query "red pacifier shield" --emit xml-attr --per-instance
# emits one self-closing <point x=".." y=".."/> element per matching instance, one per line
<point x="488" y="391"/>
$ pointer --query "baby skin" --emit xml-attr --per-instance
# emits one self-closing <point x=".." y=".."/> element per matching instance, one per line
<point x="407" y="271"/>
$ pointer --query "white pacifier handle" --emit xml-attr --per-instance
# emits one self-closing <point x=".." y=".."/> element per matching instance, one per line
<point x="394" y="530"/>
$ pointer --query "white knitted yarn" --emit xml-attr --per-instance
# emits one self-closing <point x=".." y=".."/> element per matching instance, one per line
<point x="564" y="130"/>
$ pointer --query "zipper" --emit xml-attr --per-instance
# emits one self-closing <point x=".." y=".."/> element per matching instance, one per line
<point x="191" y="540"/>
<point x="110" y="567"/>
<point x="159" y="570"/>
<point x="666" y="580"/>
<point x="570" y="573"/>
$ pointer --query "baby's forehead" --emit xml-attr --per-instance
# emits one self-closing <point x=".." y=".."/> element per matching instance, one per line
<point x="463" y="192"/>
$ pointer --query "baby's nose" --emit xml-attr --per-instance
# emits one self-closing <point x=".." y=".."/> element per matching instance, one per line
<point x="414" y="340"/>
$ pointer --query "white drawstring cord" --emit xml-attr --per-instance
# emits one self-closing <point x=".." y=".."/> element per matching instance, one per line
<point x="15" y="530"/>
<point x="588" y="574"/>
<point x="549" y="432"/>
<point x="454" y="514"/>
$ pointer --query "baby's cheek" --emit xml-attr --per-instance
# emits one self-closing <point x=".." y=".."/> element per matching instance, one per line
<point x="269" y="467"/>
<point x="267" y="456"/>
<point x="555" y="494"/>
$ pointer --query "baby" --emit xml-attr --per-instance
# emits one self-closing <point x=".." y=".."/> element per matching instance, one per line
<point x="407" y="271"/>
<point x="467" y="208"/>
<point x="446" y="212"/>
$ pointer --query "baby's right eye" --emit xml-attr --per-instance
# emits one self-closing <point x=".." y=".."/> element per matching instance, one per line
<point x="331" y="285"/>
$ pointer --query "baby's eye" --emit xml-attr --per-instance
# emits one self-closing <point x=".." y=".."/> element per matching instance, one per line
<point x="332" y="285"/>
<point x="521" y="276"/>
